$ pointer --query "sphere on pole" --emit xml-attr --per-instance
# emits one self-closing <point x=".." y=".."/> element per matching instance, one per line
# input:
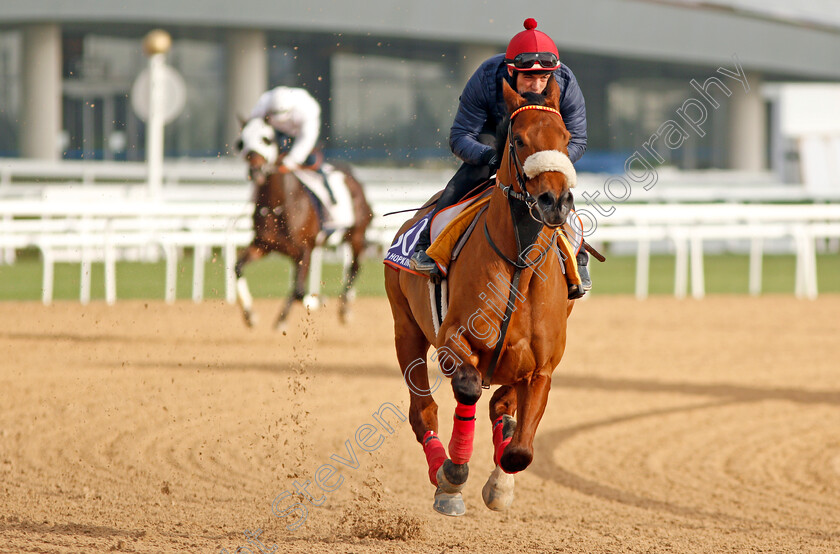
<point x="157" y="41"/>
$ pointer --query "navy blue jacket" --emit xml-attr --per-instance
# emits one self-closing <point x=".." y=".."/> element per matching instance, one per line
<point x="482" y="107"/>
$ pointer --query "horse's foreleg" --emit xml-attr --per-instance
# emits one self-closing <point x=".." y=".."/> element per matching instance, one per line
<point x="298" y="288"/>
<point x="513" y="443"/>
<point x="243" y="293"/>
<point x="531" y="398"/>
<point x="466" y="385"/>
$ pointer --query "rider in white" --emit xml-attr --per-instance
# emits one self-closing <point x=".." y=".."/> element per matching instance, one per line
<point x="292" y="112"/>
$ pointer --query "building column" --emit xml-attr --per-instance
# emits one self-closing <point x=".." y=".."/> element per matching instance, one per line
<point x="470" y="56"/>
<point x="247" y="76"/>
<point x="41" y="68"/>
<point x="315" y="75"/>
<point x="748" y="127"/>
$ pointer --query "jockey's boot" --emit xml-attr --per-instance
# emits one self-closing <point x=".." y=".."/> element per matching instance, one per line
<point x="420" y="261"/>
<point x="583" y="270"/>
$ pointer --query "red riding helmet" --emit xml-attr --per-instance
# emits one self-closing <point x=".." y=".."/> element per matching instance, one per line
<point x="532" y="50"/>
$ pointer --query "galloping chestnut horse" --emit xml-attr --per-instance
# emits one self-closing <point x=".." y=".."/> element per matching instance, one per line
<point x="286" y="221"/>
<point x="508" y="306"/>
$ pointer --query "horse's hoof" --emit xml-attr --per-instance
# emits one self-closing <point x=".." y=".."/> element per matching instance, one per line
<point x="498" y="490"/>
<point x="251" y="320"/>
<point x="445" y="484"/>
<point x="345" y="315"/>
<point x="311" y="302"/>
<point x="449" y="504"/>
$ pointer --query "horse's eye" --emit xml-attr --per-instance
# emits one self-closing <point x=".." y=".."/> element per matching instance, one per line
<point x="240" y="145"/>
<point x="266" y="141"/>
<point x="517" y="142"/>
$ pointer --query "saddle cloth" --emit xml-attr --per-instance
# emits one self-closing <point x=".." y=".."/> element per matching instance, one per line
<point x="399" y="253"/>
<point x="339" y="215"/>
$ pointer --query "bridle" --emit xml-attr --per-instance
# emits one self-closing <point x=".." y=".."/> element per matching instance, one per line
<point x="522" y="179"/>
<point x="525" y="231"/>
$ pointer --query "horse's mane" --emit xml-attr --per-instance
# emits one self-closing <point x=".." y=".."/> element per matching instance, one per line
<point x="531" y="99"/>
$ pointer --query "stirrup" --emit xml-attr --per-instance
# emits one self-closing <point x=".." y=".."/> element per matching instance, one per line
<point x="422" y="262"/>
<point x="576" y="291"/>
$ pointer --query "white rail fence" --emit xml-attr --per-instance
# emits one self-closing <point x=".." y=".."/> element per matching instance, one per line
<point x="688" y="228"/>
<point x="86" y="213"/>
<point x="106" y="231"/>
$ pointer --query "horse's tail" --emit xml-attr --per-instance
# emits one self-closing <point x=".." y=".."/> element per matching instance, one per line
<point x="366" y="209"/>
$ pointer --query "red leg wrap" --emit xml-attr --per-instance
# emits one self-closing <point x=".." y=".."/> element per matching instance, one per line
<point x="499" y="442"/>
<point x="435" y="454"/>
<point x="463" y="431"/>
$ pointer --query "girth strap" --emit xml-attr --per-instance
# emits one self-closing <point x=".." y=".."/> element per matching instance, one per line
<point x="514" y="293"/>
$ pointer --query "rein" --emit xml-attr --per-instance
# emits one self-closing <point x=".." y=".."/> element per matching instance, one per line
<point x="516" y="201"/>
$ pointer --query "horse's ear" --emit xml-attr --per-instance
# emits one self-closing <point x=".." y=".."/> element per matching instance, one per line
<point x="512" y="98"/>
<point x="552" y="93"/>
<point x="242" y="121"/>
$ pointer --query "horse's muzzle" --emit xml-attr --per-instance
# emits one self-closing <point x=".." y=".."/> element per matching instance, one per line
<point x="257" y="176"/>
<point x="553" y="211"/>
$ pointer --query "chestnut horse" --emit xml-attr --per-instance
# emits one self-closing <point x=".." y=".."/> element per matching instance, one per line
<point x="508" y="305"/>
<point x="286" y="221"/>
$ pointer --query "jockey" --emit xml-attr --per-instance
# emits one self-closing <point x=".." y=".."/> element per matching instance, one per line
<point x="530" y="60"/>
<point x="296" y="118"/>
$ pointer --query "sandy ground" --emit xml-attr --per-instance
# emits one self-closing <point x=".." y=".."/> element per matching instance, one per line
<point x="672" y="426"/>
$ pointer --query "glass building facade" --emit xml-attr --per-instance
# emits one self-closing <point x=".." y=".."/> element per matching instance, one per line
<point x="384" y="102"/>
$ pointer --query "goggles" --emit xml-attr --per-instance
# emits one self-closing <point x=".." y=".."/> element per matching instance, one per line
<point x="528" y="60"/>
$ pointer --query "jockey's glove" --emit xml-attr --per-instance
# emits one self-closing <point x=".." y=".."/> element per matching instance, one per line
<point x="491" y="159"/>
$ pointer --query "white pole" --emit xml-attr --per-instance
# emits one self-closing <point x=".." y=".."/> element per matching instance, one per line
<point x="643" y="269"/>
<point x="156" y="45"/>
<point x="154" y="126"/>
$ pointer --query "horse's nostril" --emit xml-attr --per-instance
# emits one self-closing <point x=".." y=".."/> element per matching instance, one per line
<point x="547" y="199"/>
<point x="568" y="198"/>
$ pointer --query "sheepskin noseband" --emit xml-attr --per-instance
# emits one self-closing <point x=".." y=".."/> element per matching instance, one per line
<point x="550" y="160"/>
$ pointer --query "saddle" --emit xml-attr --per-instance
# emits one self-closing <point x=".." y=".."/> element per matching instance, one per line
<point x="458" y="223"/>
<point x="313" y="162"/>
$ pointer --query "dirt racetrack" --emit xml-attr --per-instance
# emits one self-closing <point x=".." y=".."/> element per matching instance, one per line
<point x="672" y="426"/>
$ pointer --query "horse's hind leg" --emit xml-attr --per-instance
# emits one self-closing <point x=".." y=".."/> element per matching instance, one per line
<point x="243" y="293"/>
<point x="412" y="347"/>
<point x="356" y="241"/>
<point x="498" y="490"/>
